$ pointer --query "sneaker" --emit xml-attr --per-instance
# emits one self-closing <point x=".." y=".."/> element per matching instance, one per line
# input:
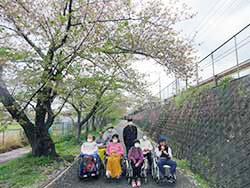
<point x="138" y="182"/>
<point x="107" y="174"/>
<point x="174" y="177"/>
<point x="171" y="180"/>
<point x="134" y="184"/>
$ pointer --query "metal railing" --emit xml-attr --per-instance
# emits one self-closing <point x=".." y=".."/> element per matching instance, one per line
<point x="232" y="58"/>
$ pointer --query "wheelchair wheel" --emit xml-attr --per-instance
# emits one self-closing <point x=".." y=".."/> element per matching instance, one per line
<point x="79" y="169"/>
<point x="157" y="181"/>
<point x="154" y="173"/>
<point x="157" y="175"/>
<point x="129" y="180"/>
<point x="106" y="179"/>
<point x="96" y="177"/>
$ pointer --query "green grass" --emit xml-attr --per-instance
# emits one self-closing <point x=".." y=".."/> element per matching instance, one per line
<point x="201" y="181"/>
<point x="184" y="165"/>
<point x="13" y="126"/>
<point x="9" y="127"/>
<point x="191" y="94"/>
<point x="25" y="171"/>
<point x="115" y="122"/>
<point x="66" y="146"/>
<point x="29" y="171"/>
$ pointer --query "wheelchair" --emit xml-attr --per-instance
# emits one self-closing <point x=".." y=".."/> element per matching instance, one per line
<point x="143" y="174"/>
<point x="88" y="166"/>
<point x="155" y="171"/>
<point x="123" y="165"/>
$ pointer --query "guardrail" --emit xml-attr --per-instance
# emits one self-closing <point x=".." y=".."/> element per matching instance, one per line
<point x="232" y="58"/>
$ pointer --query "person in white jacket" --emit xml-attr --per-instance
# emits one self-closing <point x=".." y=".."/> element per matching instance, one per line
<point x="165" y="157"/>
<point x="147" y="148"/>
<point x="90" y="147"/>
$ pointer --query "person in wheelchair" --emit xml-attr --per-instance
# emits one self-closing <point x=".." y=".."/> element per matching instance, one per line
<point x="107" y="136"/>
<point x="114" y="154"/>
<point x="100" y="140"/>
<point x="147" y="148"/>
<point x="101" y="146"/>
<point x="164" y="154"/>
<point x="89" y="157"/>
<point x="135" y="156"/>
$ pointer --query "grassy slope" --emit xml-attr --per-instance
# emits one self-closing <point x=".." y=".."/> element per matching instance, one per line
<point x="184" y="165"/>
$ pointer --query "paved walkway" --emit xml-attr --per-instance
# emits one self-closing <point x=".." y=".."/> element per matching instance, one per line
<point x="71" y="180"/>
<point x="4" y="157"/>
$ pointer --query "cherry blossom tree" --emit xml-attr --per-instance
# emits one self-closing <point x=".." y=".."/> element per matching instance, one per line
<point x="47" y="38"/>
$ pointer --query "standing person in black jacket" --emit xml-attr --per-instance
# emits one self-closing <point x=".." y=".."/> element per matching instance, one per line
<point x="129" y="134"/>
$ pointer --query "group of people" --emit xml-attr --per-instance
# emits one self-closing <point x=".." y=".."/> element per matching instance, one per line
<point x="136" y="149"/>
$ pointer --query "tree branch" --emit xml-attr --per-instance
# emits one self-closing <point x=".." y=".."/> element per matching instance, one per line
<point x="27" y="39"/>
<point x="69" y="25"/>
<point x="109" y="20"/>
<point x="14" y="108"/>
<point x="65" y="101"/>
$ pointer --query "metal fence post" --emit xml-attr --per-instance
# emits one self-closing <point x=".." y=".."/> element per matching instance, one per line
<point x="3" y="137"/>
<point x="197" y="72"/>
<point x="215" y="80"/>
<point x="186" y="82"/>
<point x="237" y="56"/>
<point x="168" y="95"/>
<point x="176" y="86"/>
<point x="159" y="79"/>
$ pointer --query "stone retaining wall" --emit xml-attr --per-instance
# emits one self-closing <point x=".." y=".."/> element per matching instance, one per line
<point x="211" y="130"/>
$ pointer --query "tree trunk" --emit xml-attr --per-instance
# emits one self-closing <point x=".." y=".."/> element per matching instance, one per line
<point x="87" y="129"/>
<point x="93" y="123"/>
<point x="79" y="127"/>
<point x="38" y="137"/>
<point x="43" y="145"/>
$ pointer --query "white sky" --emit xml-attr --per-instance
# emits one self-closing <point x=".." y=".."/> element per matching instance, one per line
<point x="215" y="22"/>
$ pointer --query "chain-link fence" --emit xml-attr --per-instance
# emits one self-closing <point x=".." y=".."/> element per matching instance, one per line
<point x="62" y="128"/>
<point x="14" y="138"/>
<point x="232" y="59"/>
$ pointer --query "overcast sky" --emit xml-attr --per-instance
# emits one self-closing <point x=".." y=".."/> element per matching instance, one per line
<point x="215" y="22"/>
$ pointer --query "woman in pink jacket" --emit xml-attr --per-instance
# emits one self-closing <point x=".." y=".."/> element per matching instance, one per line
<point x="114" y="152"/>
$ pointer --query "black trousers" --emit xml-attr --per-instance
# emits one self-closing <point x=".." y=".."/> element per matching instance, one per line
<point x="136" y="170"/>
<point x="128" y="146"/>
<point x="148" y="156"/>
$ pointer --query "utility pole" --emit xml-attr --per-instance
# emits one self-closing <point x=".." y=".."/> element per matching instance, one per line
<point x="160" y="85"/>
